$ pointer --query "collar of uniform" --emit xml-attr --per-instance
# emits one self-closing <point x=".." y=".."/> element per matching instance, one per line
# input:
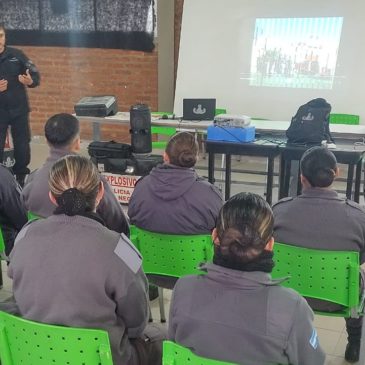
<point x="325" y="193"/>
<point x="87" y="220"/>
<point x="58" y="152"/>
<point x="240" y="278"/>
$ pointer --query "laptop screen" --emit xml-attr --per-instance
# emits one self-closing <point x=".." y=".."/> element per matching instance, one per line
<point x="199" y="109"/>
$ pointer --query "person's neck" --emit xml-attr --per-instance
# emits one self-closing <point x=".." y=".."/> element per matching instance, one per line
<point x="308" y="187"/>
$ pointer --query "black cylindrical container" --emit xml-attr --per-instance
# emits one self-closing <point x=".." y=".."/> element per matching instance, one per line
<point x="140" y="117"/>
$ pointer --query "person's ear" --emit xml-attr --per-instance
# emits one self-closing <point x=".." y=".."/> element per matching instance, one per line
<point x="304" y="181"/>
<point x="270" y="244"/>
<point x="215" y="237"/>
<point x="52" y="198"/>
<point x="100" y="193"/>
<point x="337" y="172"/>
<point x="76" y="144"/>
<point x="166" y="158"/>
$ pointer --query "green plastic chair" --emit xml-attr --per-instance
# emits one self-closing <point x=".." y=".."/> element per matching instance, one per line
<point x="345" y="119"/>
<point x="174" y="354"/>
<point x="32" y="343"/>
<point x="333" y="276"/>
<point x="32" y="216"/>
<point x="162" y="131"/>
<point x="2" y="245"/>
<point x="171" y="255"/>
<point x="2" y="256"/>
<point x="219" y="111"/>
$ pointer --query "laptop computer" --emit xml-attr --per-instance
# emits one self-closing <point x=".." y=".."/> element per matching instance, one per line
<point x="199" y="109"/>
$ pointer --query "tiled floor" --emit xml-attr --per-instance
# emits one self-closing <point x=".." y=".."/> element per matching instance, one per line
<point x="331" y="330"/>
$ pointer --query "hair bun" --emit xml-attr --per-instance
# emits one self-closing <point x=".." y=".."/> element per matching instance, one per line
<point x="187" y="159"/>
<point x="72" y="202"/>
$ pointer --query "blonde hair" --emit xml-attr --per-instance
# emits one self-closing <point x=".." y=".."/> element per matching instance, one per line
<point x="75" y="172"/>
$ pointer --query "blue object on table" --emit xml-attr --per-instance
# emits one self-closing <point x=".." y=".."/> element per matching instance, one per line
<point x="231" y="134"/>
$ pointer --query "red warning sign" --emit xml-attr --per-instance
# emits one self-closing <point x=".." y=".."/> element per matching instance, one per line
<point x="122" y="185"/>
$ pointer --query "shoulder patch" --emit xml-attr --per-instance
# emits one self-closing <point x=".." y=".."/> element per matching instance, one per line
<point x="313" y="341"/>
<point x="283" y="200"/>
<point x="128" y="253"/>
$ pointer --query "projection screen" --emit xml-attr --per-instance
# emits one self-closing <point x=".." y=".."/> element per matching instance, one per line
<point x="265" y="58"/>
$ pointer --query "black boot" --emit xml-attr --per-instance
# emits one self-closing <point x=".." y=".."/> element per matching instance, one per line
<point x="352" y="353"/>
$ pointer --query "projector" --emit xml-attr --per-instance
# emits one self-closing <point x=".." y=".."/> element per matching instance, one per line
<point x="231" y="120"/>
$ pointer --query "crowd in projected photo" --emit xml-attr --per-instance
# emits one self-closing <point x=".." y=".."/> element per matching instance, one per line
<point x="295" y="52"/>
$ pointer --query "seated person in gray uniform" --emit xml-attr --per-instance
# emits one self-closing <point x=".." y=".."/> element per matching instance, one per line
<point x="69" y="269"/>
<point x="172" y="198"/>
<point x="236" y="312"/>
<point x="63" y="138"/>
<point x="319" y="218"/>
<point x="13" y="214"/>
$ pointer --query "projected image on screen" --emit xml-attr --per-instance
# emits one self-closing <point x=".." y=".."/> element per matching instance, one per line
<point x="295" y="52"/>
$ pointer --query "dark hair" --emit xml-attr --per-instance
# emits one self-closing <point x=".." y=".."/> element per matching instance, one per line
<point x="61" y="129"/>
<point x="182" y="149"/>
<point x="79" y="178"/>
<point x="318" y="165"/>
<point x="244" y="227"/>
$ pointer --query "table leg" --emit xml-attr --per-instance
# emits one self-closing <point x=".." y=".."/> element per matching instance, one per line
<point x="350" y="179"/>
<point x="228" y="177"/>
<point x="281" y="177"/>
<point x="96" y="131"/>
<point x="270" y="178"/>
<point x="286" y="166"/>
<point x="211" y="158"/>
<point x="357" y="181"/>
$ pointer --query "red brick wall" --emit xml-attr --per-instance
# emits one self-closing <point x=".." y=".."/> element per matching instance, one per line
<point x="68" y="74"/>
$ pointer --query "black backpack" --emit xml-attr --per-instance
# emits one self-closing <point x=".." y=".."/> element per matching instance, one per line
<point x="310" y="125"/>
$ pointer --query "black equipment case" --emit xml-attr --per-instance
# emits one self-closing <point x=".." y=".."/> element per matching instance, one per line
<point x="117" y="158"/>
<point x="96" y="106"/>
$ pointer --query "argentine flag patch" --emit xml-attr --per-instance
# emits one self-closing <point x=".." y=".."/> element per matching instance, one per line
<point x="314" y="339"/>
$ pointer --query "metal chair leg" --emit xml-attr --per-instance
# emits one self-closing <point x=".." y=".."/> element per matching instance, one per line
<point x="1" y="277"/>
<point x="162" y="305"/>
<point x="150" y="319"/>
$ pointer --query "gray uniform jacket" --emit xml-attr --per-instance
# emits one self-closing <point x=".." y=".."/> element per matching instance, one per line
<point x="244" y="318"/>
<point x="319" y="218"/>
<point x="36" y="199"/>
<point x="174" y="199"/>
<point x="13" y="214"/>
<point x="66" y="271"/>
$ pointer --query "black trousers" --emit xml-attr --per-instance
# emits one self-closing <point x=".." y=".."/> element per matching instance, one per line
<point x="20" y="133"/>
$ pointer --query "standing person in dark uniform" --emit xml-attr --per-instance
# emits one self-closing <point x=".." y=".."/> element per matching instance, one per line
<point x="320" y="219"/>
<point x="16" y="73"/>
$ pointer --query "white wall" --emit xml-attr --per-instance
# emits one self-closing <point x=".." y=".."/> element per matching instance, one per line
<point x="216" y="44"/>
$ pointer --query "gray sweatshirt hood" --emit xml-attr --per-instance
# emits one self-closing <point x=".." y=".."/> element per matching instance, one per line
<point x="168" y="182"/>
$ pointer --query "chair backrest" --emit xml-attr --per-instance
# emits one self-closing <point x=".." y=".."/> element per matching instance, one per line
<point x="32" y="343"/>
<point x="174" y="354"/>
<point x="162" y="131"/>
<point x="2" y="242"/>
<point x="328" y="275"/>
<point x="32" y="216"/>
<point x="344" y="119"/>
<point x="172" y="255"/>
